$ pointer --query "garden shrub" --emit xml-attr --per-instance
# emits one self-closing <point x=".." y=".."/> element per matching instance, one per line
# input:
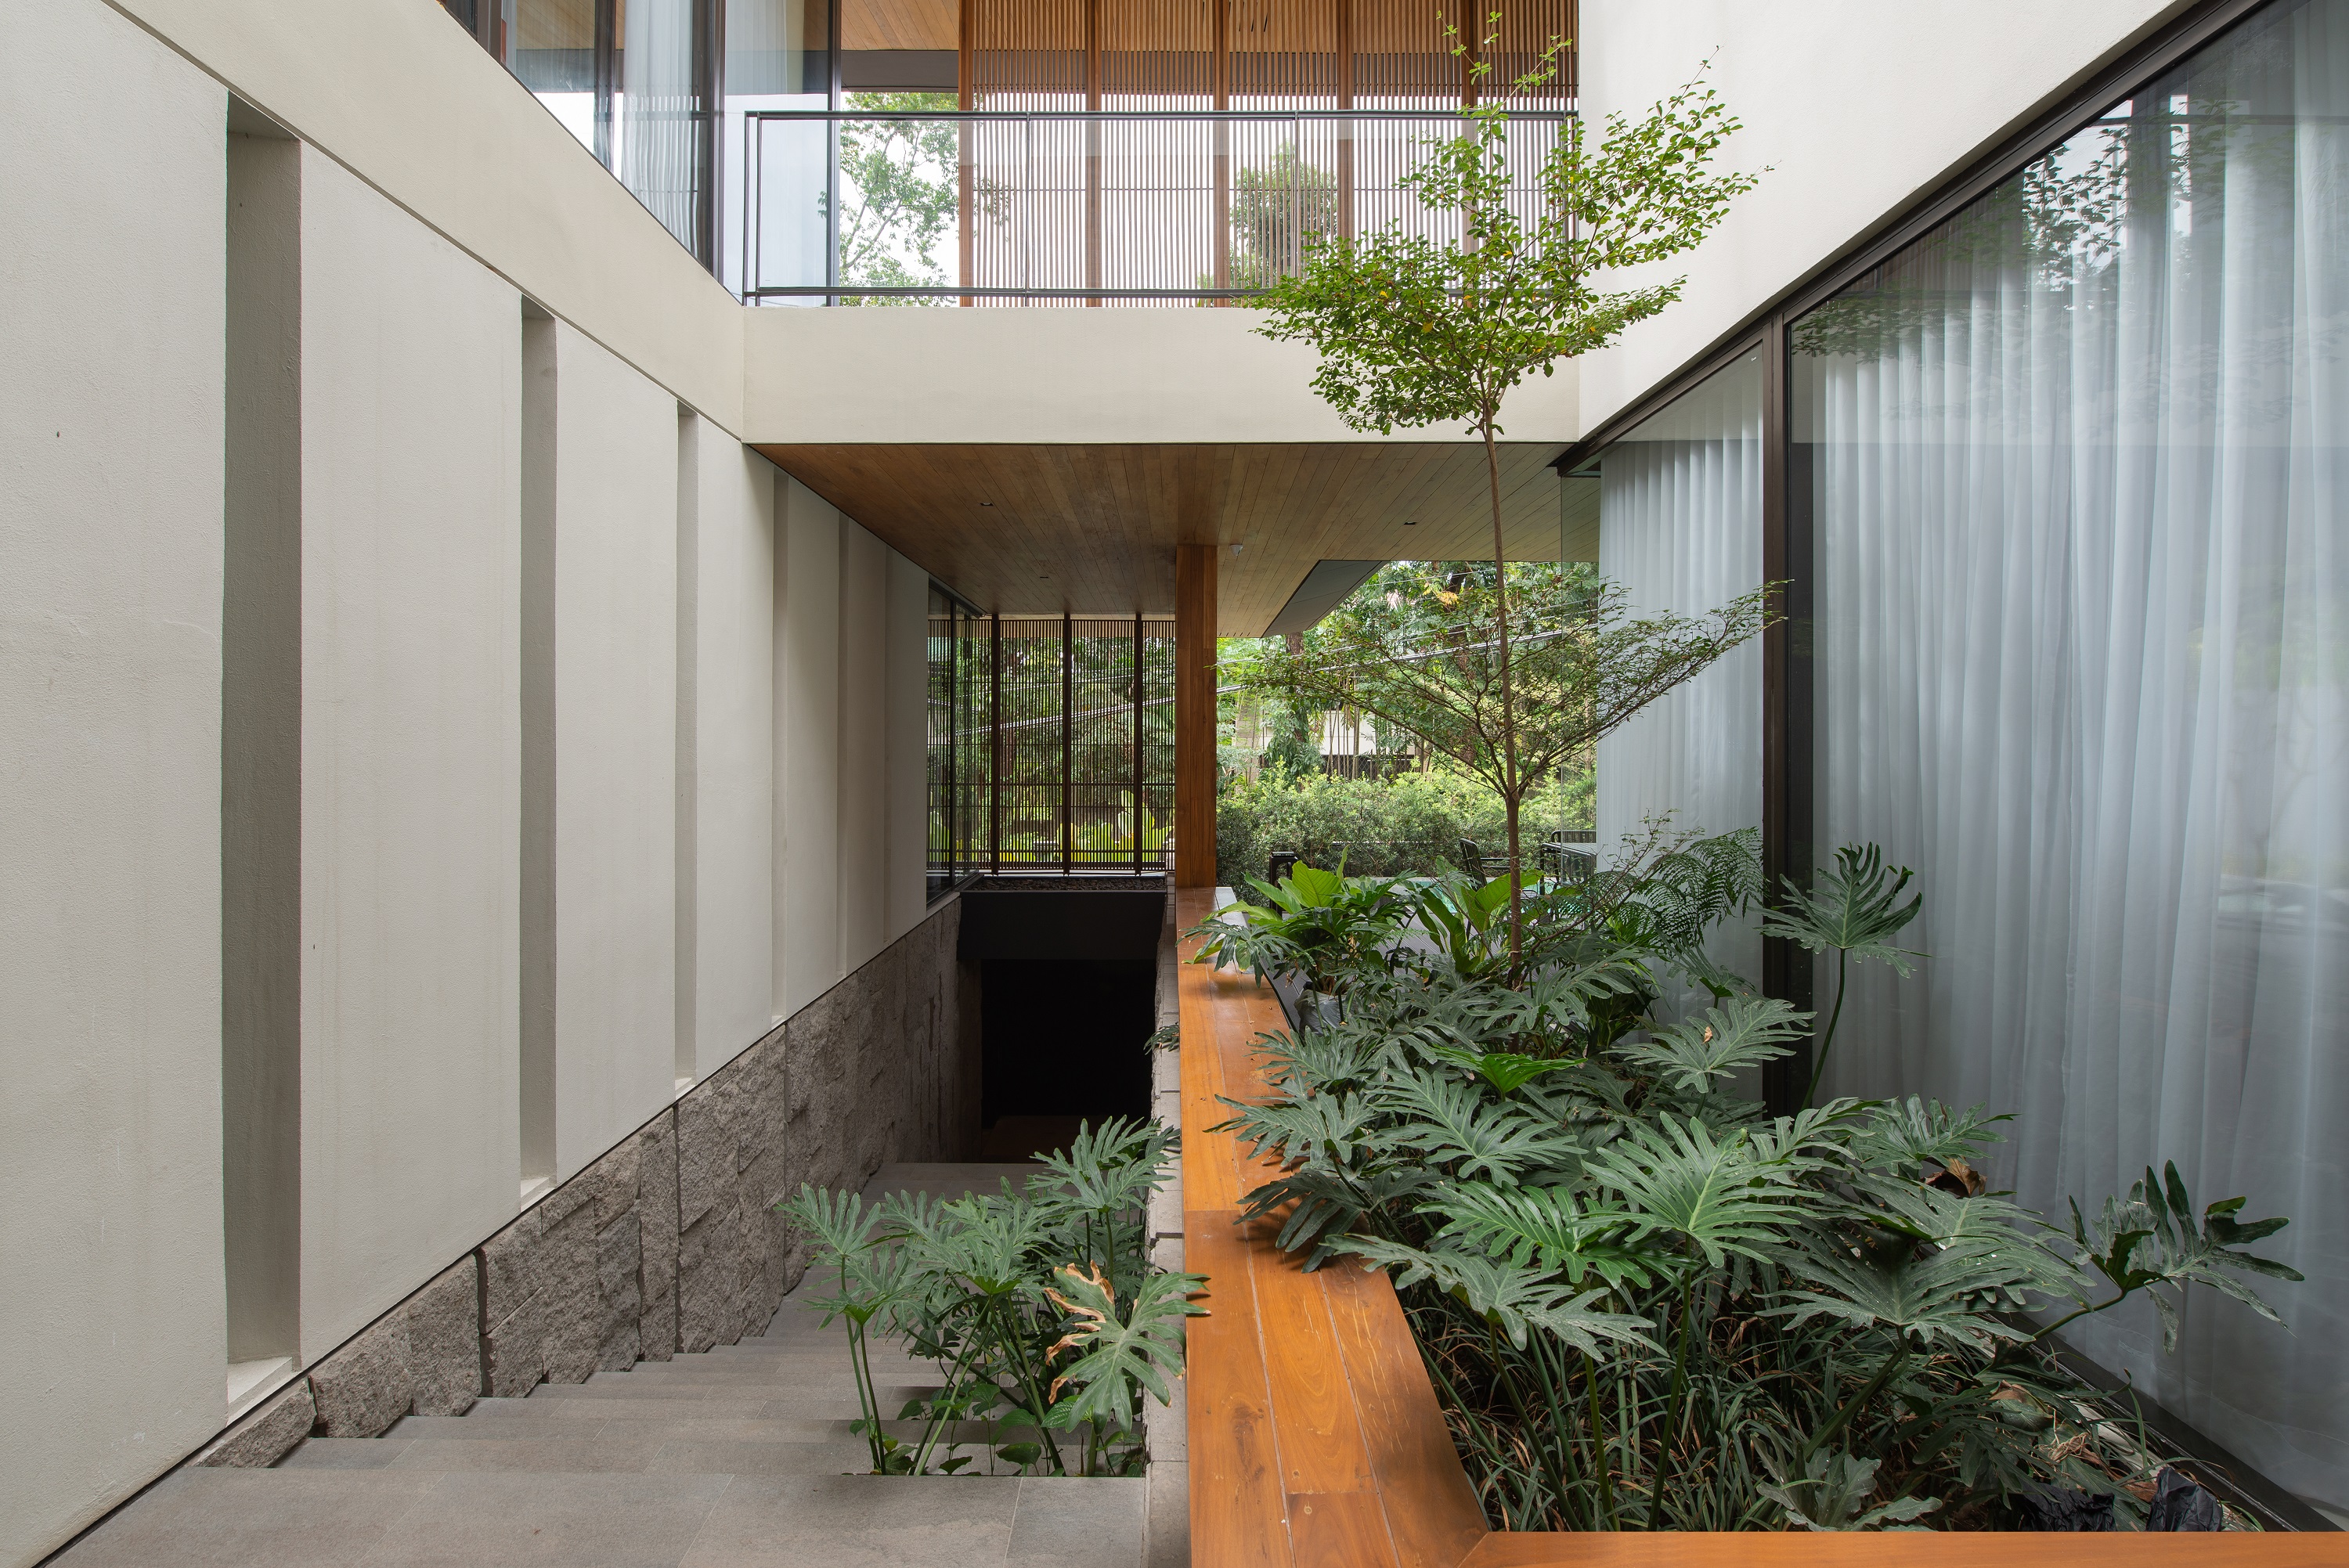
<point x="1649" y="1304"/>
<point x="1409" y="825"/>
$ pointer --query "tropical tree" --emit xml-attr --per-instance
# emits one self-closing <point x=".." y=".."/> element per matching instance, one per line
<point x="1413" y="330"/>
<point x="897" y="182"/>
<point x="1583" y="665"/>
<point x="1279" y="208"/>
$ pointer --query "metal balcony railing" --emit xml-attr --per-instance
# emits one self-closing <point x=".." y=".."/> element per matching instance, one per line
<point x="1139" y="206"/>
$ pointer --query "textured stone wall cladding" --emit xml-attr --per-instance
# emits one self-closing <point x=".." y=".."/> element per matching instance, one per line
<point x="669" y="1243"/>
<point x="269" y="1433"/>
<point x="444" y="1342"/>
<point x="564" y="1292"/>
<point x="422" y="1357"/>
<point x="730" y="1268"/>
<point x="363" y="1389"/>
<point x="881" y="1067"/>
<point x="656" y="1233"/>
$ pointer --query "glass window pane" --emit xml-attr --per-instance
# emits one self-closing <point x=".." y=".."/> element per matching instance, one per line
<point x="2072" y="471"/>
<point x="1679" y="529"/>
<point x="657" y="132"/>
<point x="551" y="49"/>
<point x="776" y="58"/>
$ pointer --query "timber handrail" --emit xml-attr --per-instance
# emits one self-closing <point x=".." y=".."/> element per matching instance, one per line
<point x="1314" y="1432"/>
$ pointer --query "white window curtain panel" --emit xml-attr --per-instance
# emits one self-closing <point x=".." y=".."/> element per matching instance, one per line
<point x="1679" y="529"/>
<point x="658" y="119"/>
<point x="2075" y="467"/>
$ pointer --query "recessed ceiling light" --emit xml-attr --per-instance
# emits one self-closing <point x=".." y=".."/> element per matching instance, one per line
<point x="987" y="503"/>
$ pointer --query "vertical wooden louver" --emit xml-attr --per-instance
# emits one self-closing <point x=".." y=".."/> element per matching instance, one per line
<point x="1224" y="204"/>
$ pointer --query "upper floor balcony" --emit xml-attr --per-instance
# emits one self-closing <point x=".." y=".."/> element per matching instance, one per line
<point x="994" y="151"/>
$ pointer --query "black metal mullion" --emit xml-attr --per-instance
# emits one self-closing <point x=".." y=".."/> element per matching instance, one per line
<point x="831" y="150"/>
<point x="1140" y="815"/>
<point x="1068" y="738"/>
<point x="995" y="744"/>
<point x="1785" y="972"/>
<point x="606" y="50"/>
<point x="954" y="737"/>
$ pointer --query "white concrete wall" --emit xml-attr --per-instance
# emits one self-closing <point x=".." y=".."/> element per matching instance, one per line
<point x="905" y="772"/>
<point x="408" y="459"/>
<point x="411" y="416"/>
<point x="614" y="669"/>
<point x="851" y="804"/>
<point x="726" y="706"/>
<point x="864" y="674"/>
<point x="112" y="1327"/>
<point x="1857" y="110"/>
<point x="807" y="933"/>
<point x="397" y="92"/>
<point x="1059" y="375"/>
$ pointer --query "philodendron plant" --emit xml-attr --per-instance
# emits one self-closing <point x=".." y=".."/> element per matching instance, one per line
<point x="1646" y="1303"/>
<point x="1041" y="1308"/>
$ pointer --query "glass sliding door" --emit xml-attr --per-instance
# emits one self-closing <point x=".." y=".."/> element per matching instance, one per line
<point x="1157" y="726"/>
<point x="1033" y="743"/>
<point x="943" y="708"/>
<point x="778" y="57"/>
<point x="1679" y="529"/>
<point x="961" y="718"/>
<point x="2070" y="472"/>
<point x="552" y="47"/>
<point x="636" y="82"/>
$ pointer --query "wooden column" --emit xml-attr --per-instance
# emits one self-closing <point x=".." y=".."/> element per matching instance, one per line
<point x="1194" y="715"/>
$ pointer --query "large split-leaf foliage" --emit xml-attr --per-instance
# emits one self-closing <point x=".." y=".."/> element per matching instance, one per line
<point x="1040" y="1307"/>
<point x="1646" y="1303"/>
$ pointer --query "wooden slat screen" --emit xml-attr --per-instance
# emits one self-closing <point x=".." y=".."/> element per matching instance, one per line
<point x="1174" y="204"/>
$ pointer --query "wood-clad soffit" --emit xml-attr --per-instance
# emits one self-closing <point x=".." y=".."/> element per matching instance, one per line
<point x="900" y="25"/>
<point x="1039" y="530"/>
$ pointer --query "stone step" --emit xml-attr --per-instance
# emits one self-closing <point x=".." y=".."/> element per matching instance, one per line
<point x="790" y="1404"/>
<point x="394" y="1518"/>
<point x="674" y="1422"/>
<point x="839" y="1392"/>
<point x="775" y="1364"/>
<point x="640" y="1448"/>
<point x="754" y="1380"/>
<point x="347" y="1453"/>
<point x="866" y="1519"/>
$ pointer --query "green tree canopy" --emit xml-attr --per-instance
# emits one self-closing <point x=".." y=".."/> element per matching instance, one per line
<point x="1415" y="330"/>
<point x="1423" y="659"/>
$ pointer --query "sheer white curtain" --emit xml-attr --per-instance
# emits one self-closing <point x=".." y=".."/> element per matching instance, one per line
<point x="2078" y="465"/>
<point x="1680" y="528"/>
<point x="657" y="122"/>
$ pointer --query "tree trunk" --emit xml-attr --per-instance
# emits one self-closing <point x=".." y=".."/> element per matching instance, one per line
<point x="1510" y="783"/>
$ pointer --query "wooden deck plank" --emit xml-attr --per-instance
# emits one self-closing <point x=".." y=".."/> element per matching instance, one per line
<point x="1431" y="1509"/>
<point x="1210" y="1182"/>
<point x="1338" y="1530"/>
<point x="1238" y="1506"/>
<point x="1320" y="1442"/>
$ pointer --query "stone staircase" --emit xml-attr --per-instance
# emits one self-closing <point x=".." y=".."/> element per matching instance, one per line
<point x="741" y="1456"/>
